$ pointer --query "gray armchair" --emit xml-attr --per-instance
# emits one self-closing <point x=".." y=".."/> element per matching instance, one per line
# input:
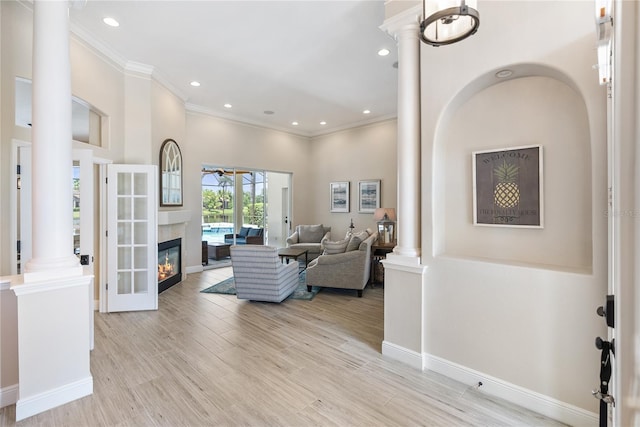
<point x="309" y="237"/>
<point x="347" y="270"/>
<point x="260" y="275"/>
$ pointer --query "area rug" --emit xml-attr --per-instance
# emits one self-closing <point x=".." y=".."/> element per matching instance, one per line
<point x="228" y="287"/>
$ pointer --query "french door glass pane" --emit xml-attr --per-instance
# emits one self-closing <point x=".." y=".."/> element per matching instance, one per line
<point x="141" y="282"/>
<point x="124" y="282"/>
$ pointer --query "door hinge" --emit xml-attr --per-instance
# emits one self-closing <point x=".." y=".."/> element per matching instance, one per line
<point x="106" y="233"/>
<point x="106" y="180"/>
<point x="106" y="286"/>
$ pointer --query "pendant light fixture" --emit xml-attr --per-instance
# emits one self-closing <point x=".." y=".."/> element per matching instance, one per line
<point x="448" y="21"/>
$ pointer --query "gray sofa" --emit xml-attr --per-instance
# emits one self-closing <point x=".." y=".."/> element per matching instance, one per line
<point x="346" y="270"/>
<point x="309" y="237"/>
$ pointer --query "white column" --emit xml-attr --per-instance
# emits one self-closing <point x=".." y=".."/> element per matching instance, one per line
<point x="408" y="141"/>
<point x="52" y="220"/>
<point x="404" y="275"/>
<point x="53" y="299"/>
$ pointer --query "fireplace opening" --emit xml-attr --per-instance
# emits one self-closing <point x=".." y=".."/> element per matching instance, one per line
<point x="169" y="264"/>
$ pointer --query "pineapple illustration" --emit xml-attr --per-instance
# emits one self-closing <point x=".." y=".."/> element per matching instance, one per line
<point x="506" y="193"/>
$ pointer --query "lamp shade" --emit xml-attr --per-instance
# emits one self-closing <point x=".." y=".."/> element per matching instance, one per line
<point x="448" y="21"/>
<point x="380" y="213"/>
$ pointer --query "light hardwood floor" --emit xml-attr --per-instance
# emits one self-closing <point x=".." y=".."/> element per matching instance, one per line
<point x="209" y="359"/>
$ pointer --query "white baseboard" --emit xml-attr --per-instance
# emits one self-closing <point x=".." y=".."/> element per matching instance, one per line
<point x="404" y="355"/>
<point x="8" y="395"/>
<point x="33" y="405"/>
<point x="194" y="269"/>
<point x="529" y="399"/>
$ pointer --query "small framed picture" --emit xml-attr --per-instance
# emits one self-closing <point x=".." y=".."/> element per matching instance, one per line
<point x="368" y="196"/>
<point x="339" y="196"/>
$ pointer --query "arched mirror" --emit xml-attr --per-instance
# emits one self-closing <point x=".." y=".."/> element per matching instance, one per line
<point x="170" y="174"/>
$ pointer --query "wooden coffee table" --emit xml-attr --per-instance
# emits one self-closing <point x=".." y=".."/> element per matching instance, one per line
<point x="219" y="250"/>
<point x="294" y="253"/>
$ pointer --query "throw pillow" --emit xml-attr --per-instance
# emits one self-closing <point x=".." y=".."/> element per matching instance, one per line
<point x="255" y="232"/>
<point x="311" y="233"/>
<point x="354" y="243"/>
<point x="332" y="248"/>
<point x="362" y="235"/>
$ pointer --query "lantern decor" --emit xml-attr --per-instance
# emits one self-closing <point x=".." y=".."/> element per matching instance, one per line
<point x="386" y="218"/>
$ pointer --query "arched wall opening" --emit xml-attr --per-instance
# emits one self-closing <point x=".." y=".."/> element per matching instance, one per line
<point x="537" y="106"/>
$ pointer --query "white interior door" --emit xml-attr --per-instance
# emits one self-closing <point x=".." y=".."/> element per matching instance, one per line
<point x="132" y="238"/>
<point x="286" y="216"/>
<point x="24" y="205"/>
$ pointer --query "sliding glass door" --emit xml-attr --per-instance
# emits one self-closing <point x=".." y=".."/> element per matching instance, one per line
<point x="236" y="201"/>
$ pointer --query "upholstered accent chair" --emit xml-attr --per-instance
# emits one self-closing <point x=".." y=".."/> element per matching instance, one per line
<point x="345" y="264"/>
<point x="309" y="237"/>
<point x="260" y="275"/>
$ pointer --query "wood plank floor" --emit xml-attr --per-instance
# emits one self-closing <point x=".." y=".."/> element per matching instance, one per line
<point x="213" y="360"/>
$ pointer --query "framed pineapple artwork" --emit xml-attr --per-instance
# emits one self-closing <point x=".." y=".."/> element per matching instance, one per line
<point x="507" y="187"/>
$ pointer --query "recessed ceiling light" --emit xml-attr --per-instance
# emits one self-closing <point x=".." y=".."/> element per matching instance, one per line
<point x="295" y="123"/>
<point x="504" y="73"/>
<point x="228" y="105"/>
<point x="195" y="83"/>
<point x="268" y="112"/>
<point x="111" y="22"/>
<point x="323" y="123"/>
<point x="366" y="112"/>
<point x="383" y="52"/>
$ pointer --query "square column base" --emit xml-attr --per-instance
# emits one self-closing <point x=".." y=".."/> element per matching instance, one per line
<point x="53" y="343"/>
<point x="404" y="310"/>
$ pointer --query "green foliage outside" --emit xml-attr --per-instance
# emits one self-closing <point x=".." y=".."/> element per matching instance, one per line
<point x="218" y="206"/>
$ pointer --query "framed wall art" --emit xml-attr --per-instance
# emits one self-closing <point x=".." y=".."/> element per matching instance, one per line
<point x="170" y="174"/>
<point x="507" y="187"/>
<point x="368" y="196"/>
<point x="339" y="196"/>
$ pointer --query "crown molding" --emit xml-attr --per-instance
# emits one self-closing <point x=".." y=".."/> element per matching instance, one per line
<point x="193" y="108"/>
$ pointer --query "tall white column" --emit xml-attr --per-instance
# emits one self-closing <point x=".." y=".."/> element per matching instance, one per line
<point x="52" y="220"/>
<point x="404" y="274"/>
<point x="408" y="141"/>
<point x="53" y="298"/>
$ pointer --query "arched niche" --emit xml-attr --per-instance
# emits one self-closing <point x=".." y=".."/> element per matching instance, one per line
<point x="539" y="105"/>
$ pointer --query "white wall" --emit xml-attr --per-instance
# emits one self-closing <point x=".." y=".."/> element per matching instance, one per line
<point x="8" y="345"/>
<point x="363" y="153"/>
<point x="530" y="325"/>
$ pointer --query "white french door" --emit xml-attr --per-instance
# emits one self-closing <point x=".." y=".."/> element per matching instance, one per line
<point x="132" y="282"/>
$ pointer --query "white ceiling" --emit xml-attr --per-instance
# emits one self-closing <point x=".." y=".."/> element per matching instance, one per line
<point x="307" y="61"/>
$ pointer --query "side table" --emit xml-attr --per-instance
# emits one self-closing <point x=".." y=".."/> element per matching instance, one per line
<point x="378" y="253"/>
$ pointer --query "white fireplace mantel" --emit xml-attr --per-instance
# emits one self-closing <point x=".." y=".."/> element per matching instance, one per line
<point x="174" y="217"/>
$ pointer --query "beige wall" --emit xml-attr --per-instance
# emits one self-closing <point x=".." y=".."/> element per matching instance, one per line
<point x="214" y="141"/>
<point x="362" y="153"/>
<point x="16" y="61"/>
<point x="553" y="116"/>
<point x="491" y="304"/>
